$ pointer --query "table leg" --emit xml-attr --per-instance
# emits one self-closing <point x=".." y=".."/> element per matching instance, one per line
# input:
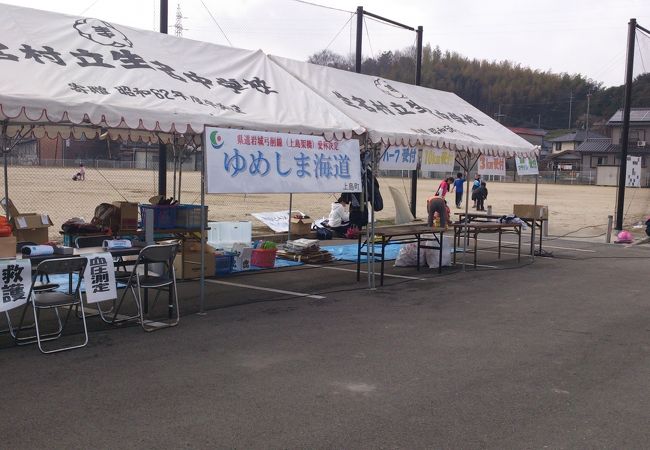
<point x="417" y="258"/>
<point x="541" y="229"/>
<point x="359" y="257"/>
<point x="475" y="247"/>
<point x="499" y="249"/>
<point x="519" y="244"/>
<point x="532" y="237"/>
<point x="440" y="252"/>
<point x="383" y="247"/>
<point x="456" y="231"/>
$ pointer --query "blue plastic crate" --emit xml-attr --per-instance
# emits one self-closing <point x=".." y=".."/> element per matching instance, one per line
<point x="224" y="263"/>
<point x="164" y="216"/>
<point x="188" y="217"/>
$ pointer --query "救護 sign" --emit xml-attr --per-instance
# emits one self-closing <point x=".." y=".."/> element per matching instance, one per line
<point x="15" y="283"/>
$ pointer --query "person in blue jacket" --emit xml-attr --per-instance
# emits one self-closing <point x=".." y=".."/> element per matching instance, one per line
<point x="459" y="184"/>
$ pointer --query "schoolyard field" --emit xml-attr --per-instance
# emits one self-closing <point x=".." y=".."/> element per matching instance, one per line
<point x="51" y="190"/>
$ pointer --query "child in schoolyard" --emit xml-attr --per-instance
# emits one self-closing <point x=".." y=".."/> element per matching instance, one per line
<point x="81" y="174"/>
<point x="475" y="186"/>
<point x="458" y="187"/>
<point x="481" y="194"/>
<point x="444" y="186"/>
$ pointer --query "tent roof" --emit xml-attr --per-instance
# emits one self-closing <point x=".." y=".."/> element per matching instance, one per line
<point x="398" y="113"/>
<point x="83" y="73"/>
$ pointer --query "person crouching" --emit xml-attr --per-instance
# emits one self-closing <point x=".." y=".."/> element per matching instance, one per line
<point x="339" y="218"/>
<point x="438" y="205"/>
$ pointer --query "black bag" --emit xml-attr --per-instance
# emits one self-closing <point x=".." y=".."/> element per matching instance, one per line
<point x="323" y="234"/>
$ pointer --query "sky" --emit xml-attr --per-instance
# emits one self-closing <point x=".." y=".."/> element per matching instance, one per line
<point x="561" y="36"/>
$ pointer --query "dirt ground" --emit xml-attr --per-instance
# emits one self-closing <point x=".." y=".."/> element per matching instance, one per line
<point x="52" y="191"/>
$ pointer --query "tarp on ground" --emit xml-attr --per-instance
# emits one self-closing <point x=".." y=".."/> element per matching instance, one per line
<point x="84" y="73"/>
<point x="397" y="113"/>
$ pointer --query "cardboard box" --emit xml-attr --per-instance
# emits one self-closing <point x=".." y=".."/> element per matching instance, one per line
<point x="30" y="227"/>
<point x="529" y="211"/>
<point x="188" y="260"/>
<point x="300" y="227"/>
<point x="8" y="247"/>
<point x="128" y="216"/>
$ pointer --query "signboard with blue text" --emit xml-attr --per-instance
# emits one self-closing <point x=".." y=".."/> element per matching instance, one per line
<point x="249" y="162"/>
<point x="397" y="157"/>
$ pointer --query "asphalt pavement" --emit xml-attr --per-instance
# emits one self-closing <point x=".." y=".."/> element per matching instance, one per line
<point x="553" y="353"/>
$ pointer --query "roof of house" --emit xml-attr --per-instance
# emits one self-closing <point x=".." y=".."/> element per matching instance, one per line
<point x="567" y="155"/>
<point x="528" y="131"/>
<point x="636" y="115"/>
<point x="578" y="136"/>
<point x="606" y="146"/>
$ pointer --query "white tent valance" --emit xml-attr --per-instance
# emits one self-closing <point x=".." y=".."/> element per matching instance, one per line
<point x="62" y="70"/>
<point x="403" y="114"/>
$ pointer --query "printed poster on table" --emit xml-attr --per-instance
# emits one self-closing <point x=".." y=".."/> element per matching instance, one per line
<point x="99" y="278"/>
<point x="399" y="158"/>
<point x="438" y="159"/>
<point x="278" y="221"/>
<point x="492" y="165"/>
<point x="526" y="165"/>
<point x="633" y="172"/>
<point x="249" y="162"/>
<point x="15" y="282"/>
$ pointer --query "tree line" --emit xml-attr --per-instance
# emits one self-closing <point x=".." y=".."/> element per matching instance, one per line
<point x="515" y="95"/>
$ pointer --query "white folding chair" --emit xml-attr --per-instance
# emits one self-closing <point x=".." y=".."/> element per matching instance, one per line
<point x="40" y="301"/>
<point x="162" y="256"/>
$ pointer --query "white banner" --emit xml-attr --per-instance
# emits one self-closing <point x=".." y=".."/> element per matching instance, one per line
<point x="399" y="158"/>
<point x="633" y="172"/>
<point x="438" y="159"/>
<point x="249" y="162"/>
<point x="15" y="282"/>
<point x="526" y="165"/>
<point x="492" y="165"/>
<point x="99" y="278"/>
<point x="278" y="221"/>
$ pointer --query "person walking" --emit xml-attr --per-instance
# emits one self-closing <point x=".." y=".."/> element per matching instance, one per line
<point x="459" y="186"/>
<point x="475" y="186"/>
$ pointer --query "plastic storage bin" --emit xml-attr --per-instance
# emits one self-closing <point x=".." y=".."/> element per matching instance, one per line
<point x="224" y="263"/>
<point x="263" y="258"/>
<point x="164" y="216"/>
<point x="223" y="235"/>
<point x="188" y="217"/>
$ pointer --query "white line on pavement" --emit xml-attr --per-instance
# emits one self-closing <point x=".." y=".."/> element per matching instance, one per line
<point x="527" y="243"/>
<point x="259" y="288"/>
<point x="363" y="271"/>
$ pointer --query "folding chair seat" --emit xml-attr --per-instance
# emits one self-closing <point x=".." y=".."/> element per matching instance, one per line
<point x="137" y="283"/>
<point x="42" y="301"/>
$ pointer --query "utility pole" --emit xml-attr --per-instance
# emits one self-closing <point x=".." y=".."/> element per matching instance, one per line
<point x="570" y="107"/>
<point x="499" y="115"/>
<point x="178" y="26"/>
<point x="162" y="148"/>
<point x="627" y="102"/>
<point x="587" y="121"/>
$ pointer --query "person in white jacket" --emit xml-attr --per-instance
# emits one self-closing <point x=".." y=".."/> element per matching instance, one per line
<point x="339" y="218"/>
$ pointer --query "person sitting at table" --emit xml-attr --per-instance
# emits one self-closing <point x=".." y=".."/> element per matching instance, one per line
<point x="339" y="218"/>
<point x="437" y="204"/>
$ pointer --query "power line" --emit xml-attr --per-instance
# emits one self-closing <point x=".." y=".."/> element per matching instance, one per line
<point x="339" y="32"/>
<point x="365" y="25"/>
<point x="86" y="10"/>
<point x="216" y="23"/>
<point x="322" y="6"/>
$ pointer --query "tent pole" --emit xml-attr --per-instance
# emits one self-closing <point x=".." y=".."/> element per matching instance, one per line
<point x="371" y="272"/>
<point x="203" y="223"/>
<point x="5" y="147"/>
<point x="468" y="168"/>
<point x="532" y="236"/>
<point x="289" y="224"/>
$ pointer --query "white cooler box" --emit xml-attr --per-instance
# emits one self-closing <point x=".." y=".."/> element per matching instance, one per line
<point x="224" y="235"/>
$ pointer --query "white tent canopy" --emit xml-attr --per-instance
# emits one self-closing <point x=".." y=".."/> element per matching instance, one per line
<point x="405" y="114"/>
<point x="67" y="73"/>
